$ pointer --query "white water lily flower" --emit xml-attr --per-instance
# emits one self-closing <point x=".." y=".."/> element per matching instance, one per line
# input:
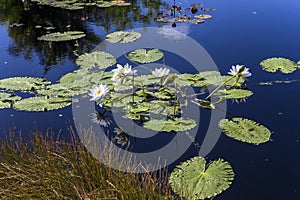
<point x="160" y="72"/>
<point x="121" y="73"/>
<point x="236" y="70"/>
<point x="98" y="92"/>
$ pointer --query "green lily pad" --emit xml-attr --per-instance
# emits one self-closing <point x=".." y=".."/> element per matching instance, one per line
<point x="123" y="37"/>
<point x="282" y="64"/>
<point x="245" y="130"/>
<point x="236" y="93"/>
<point x="7" y="97"/>
<point x="195" y="179"/>
<point x="41" y="104"/>
<point x="4" y="105"/>
<point x="23" y="83"/>
<point x="178" y="124"/>
<point x="203" y="16"/>
<point x="65" y="36"/>
<point x="144" y="56"/>
<point x="98" y="59"/>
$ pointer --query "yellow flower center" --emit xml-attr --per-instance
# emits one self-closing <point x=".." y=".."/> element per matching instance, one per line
<point x="99" y="92"/>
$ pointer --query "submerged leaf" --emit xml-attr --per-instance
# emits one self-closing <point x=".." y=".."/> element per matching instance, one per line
<point x="41" y="104"/>
<point x="178" y="124"/>
<point x="274" y="64"/>
<point x="123" y="37"/>
<point x="195" y="179"/>
<point x="58" y="37"/>
<point x="245" y="130"/>
<point x="98" y="59"/>
<point x="23" y="83"/>
<point x="144" y="56"/>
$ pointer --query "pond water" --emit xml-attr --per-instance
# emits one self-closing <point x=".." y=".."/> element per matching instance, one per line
<point x="240" y="32"/>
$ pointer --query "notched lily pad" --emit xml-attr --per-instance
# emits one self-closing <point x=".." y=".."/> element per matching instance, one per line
<point x="282" y="64"/>
<point x="196" y="179"/>
<point x="123" y="37"/>
<point x="65" y="36"/>
<point x="23" y="83"/>
<point x="98" y="59"/>
<point x="41" y="104"/>
<point x="145" y="56"/>
<point x="178" y="124"/>
<point x="245" y="130"/>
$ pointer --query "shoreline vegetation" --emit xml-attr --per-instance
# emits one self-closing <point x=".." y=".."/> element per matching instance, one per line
<point x="43" y="167"/>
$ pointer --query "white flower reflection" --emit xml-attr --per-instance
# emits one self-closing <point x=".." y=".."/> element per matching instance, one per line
<point x="240" y="69"/>
<point x="121" y="137"/>
<point x="101" y="119"/>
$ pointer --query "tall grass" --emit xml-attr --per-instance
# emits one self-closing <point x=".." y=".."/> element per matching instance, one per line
<point x="46" y="168"/>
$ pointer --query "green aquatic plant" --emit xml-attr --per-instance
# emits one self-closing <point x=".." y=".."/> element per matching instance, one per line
<point x="245" y="130"/>
<point x="145" y="56"/>
<point x="23" y="83"/>
<point x="37" y="104"/>
<point x="7" y="99"/>
<point x="195" y="179"/>
<point x="203" y="16"/>
<point x="278" y="64"/>
<point x="236" y="93"/>
<point x="97" y="59"/>
<point x="169" y="125"/>
<point x="65" y="36"/>
<point x="123" y="37"/>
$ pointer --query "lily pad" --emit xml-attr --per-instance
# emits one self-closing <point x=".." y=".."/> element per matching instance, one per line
<point x="41" y="104"/>
<point x="236" y="93"/>
<point x="203" y="16"/>
<point x="65" y="36"/>
<point x="4" y="105"/>
<point x="195" y="179"/>
<point x="282" y="64"/>
<point x="178" y="124"/>
<point x="245" y="130"/>
<point x="23" y="83"/>
<point x="145" y="56"/>
<point x="98" y="59"/>
<point x="7" y="97"/>
<point x="123" y="37"/>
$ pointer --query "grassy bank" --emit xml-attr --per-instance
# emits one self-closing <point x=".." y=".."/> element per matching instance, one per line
<point x="46" y="168"/>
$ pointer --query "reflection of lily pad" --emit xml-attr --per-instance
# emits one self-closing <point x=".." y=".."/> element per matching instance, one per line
<point x="23" y="83"/>
<point x="178" y="124"/>
<point x="195" y="179"/>
<point x="41" y="104"/>
<point x="236" y="93"/>
<point x="58" y="37"/>
<point x="98" y="59"/>
<point x="123" y="37"/>
<point x="274" y="64"/>
<point x="144" y="56"/>
<point x="245" y="130"/>
<point x="203" y="16"/>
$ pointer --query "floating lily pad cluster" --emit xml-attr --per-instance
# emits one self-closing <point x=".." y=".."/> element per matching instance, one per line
<point x="187" y="15"/>
<point x="80" y="4"/>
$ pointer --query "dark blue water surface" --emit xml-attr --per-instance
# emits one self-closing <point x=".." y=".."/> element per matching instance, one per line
<point x="240" y="32"/>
